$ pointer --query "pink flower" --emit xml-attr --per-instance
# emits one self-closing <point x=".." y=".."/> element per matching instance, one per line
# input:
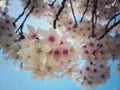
<point x="61" y="54"/>
<point x="50" y="37"/>
<point x="70" y="70"/>
<point x="33" y="34"/>
<point x="57" y="56"/>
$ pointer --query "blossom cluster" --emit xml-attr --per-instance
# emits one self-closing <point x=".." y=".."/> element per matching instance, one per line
<point x="91" y="75"/>
<point x="77" y="49"/>
<point x="7" y="34"/>
<point x="47" y="53"/>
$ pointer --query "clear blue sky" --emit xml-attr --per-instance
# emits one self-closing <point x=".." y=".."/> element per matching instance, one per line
<point x="10" y="79"/>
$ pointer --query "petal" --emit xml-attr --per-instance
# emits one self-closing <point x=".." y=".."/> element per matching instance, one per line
<point x="43" y="58"/>
<point x="45" y="48"/>
<point x="31" y="29"/>
<point x="43" y="33"/>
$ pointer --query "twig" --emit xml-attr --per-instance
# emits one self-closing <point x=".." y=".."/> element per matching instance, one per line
<point x="107" y="28"/>
<point x="28" y="3"/>
<point x="73" y="13"/>
<point x="58" y="13"/>
<point x="112" y="26"/>
<point x="21" y="26"/>
<point x="52" y="3"/>
<point x="85" y="10"/>
<point x="114" y="17"/>
<point x="94" y="17"/>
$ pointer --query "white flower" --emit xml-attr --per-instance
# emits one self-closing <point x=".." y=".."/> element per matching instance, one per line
<point x="50" y="37"/>
<point x="32" y="33"/>
<point x="91" y="75"/>
<point x="73" y="68"/>
<point x="33" y="52"/>
<point x="40" y="7"/>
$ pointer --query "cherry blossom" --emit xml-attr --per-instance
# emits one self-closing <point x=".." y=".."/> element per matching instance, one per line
<point x="50" y="37"/>
<point x="37" y="52"/>
<point x="39" y="7"/>
<point x="91" y="75"/>
<point x="33" y="34"/>
<point x="79" y="49"/>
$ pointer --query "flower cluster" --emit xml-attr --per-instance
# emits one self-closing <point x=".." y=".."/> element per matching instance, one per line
<point x="77" y="49"/>
<point x="93" y="50"/>
<point x="47" y="53"/>
<point x="39" y="7"/>
<point x="91" y="75"/>
<point x="105" y="9"/>
<point x="7" y="34"/>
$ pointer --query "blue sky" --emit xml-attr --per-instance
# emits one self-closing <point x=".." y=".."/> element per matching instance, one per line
<point x="11" y="79"/>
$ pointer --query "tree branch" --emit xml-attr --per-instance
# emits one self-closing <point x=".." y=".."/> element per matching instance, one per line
<point x="58" y="13"/>
<point x="21" y="26"/>
<point x="73" y="14"/>
<point x="28" y="3"/>
<point x="94" y="17"/>
<point x="85" y="10"/>
<point x="52" y="3"/>
<point x="107" y="28"/>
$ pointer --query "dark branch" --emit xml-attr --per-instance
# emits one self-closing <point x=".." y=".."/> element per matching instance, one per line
<point x="52" y="3"/>
<point x="73" y="14"/>
<point x="58" y="13"/>
<point x="28" y="3"/>
<point x="85" y="10"/>
<point x="94" y="17"/>
<point x="112" y="26"/>
<point x="108" y="28"/>
<point x="21" y="26"/>
<point x="114" y="17"/>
